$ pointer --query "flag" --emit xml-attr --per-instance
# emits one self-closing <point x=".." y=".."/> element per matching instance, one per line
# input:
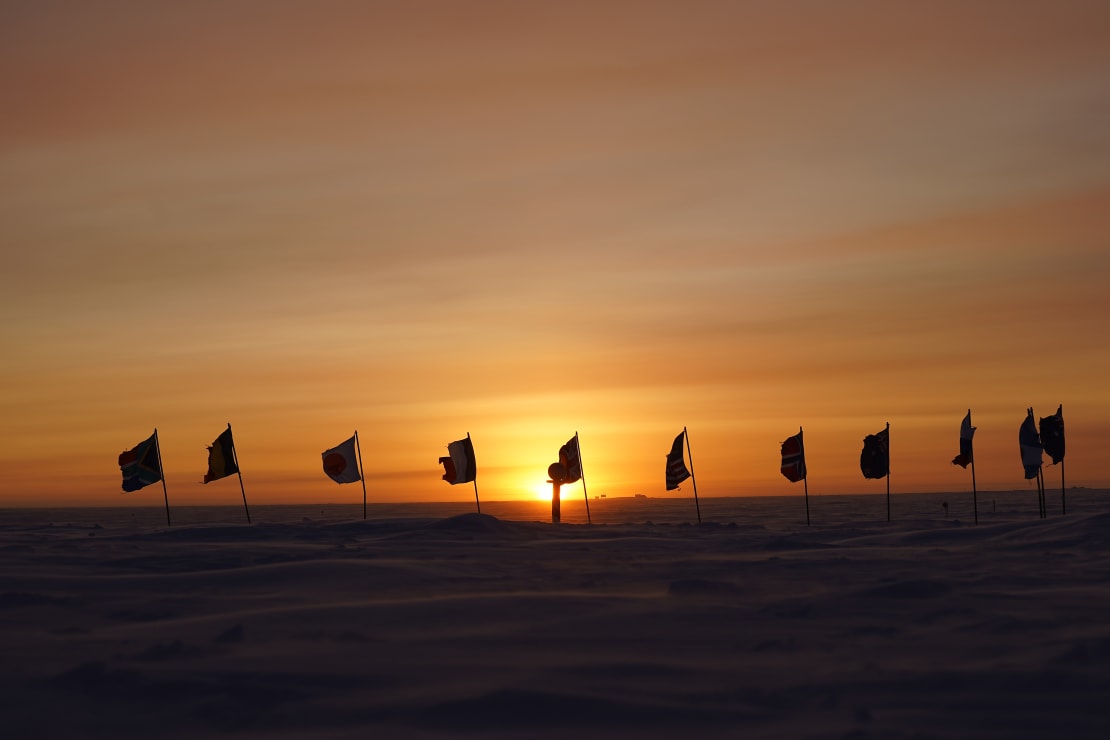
<point x="793" y="458"/>
<point x="966" y="433"/>
<point x="874" y="461"/>
<point x="1052" y="435"/>
<point x="340" y="463"/>
<point x="676" y="466"/>
<point x="139" y="465"/>
<point x="1031" y="448"/>
<point x="571" y="459"/>
<point x="459" y="466"/>
<point x="221" y="457"/>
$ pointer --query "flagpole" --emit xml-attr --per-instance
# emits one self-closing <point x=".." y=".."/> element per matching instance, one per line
<point x="1040" y="474"/>
<point x="1040" y="491"/>
<point x="692" y="478"/>
<point x="974" y="493"/>
<point x="888" y="471"/>
<point x="582" y="467"/>
<point x="476" y="501"/>
<point x="805" y="487"/>
<point x="162" y="475"/>
<point x="805" y="479"/>
<point x="1063" y="496"/>
<point x="235" y="458"/>
<point x="361" y="475"/>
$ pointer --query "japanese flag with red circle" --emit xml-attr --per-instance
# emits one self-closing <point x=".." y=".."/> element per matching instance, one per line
<point x="340" y="463"/>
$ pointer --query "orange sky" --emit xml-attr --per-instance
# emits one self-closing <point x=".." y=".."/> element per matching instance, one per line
<point x="518" y="220"/>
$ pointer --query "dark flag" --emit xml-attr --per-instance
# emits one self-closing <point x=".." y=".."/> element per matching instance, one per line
<point x="1031" y="450"/>
<point x="571" y="459"/>
<point x="459" y="466"/>
<point x="221" y="457"/>
<point x="676" y="465"/>
<point x="140" y="466"/>
<point x="966" y="433"/>
<point x="1052" y="435"/>
<point x="793" y="459"/>
<point x="874" y="461"/>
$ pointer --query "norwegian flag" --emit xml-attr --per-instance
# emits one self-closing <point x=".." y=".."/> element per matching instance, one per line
<point x="793" y="459"/>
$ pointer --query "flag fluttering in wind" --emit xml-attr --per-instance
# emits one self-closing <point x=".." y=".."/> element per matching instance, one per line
<point x="966" y="433"/>
<point x="571" y="459"/>
<point x="793" y="466"/>
<point x="141" y="465"/>
<point x="221" y="457"/>
<point x="676" y="466"/>
<point x="1030" y="443"/>
<point x="793" y="459"/>
<point x="1052" y="435"/>
<point x="570" y="455"/>
<point x="341" y="463"/>
<point x="874" y="461"/>
<point x="459" y="465"/>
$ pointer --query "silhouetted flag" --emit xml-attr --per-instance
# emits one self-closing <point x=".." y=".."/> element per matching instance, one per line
<point x="139" y="465"/>
<point x="571" y="460"/>
<point x="459" y="466"/>
<point x="966" y="433"/>
<point x="676" y="465"/>
<point x="1030" y="444"/>
<point x="1052" y="435"/>
<point x="874" y="461"/>
<point x="340" y="463"/>
<point x="221" y="458"/>
<point x="793" y="459"/>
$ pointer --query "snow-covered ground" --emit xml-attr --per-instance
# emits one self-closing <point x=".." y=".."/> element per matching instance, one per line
<point x="424" y="621"/>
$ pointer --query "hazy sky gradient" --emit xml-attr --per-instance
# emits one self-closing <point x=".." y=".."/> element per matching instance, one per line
<point x="522" y="219"/>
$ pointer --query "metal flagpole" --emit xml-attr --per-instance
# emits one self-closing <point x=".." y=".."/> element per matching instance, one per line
<point x="1040" y="477"/>
<point x="1063" y="496"/>
<point x="805" y="478"/>
<point x="692" y="478"/>
<point x="235" y="459"/>
<point x="1040" y="493"/>
<point x="974" y="493"/>
<point x="361" y="474"/>
<point x="162" y="475"/>
<point x="476" y="501"/>
<point x="582" y="467"/>
<point x="888" y="471"/>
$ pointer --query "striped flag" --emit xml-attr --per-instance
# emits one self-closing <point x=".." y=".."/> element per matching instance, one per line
<point x="459" y="465"/>
<point x="676" y="465"/>
<point x="966" y="433"/>
<point x="221" y="457"/>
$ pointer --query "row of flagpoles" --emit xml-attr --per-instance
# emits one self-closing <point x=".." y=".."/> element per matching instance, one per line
<point x="875" y="458"/>
<point x="142" y="465"/>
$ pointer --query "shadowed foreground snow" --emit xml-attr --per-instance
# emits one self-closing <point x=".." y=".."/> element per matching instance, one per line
<point x="475" y="626"/>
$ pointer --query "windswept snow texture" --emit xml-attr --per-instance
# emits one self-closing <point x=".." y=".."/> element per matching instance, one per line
<point x="312" y="624"/>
